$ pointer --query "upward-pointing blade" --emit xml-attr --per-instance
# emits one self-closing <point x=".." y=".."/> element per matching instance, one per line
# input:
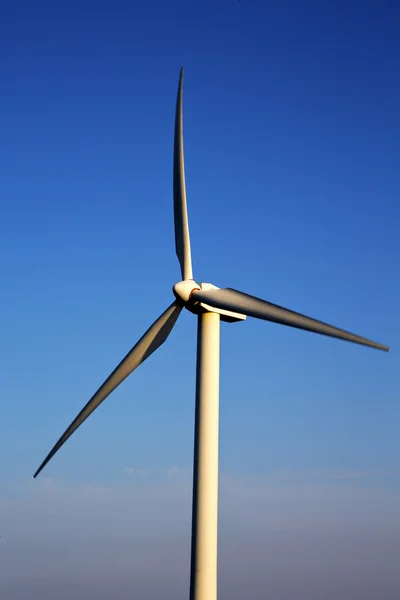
<point x="182" y="239"/>
<point x="229" y="299"/>
<point x="148" y="343"/>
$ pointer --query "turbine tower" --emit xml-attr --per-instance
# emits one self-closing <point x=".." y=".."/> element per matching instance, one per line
<point x="211" y="305"/>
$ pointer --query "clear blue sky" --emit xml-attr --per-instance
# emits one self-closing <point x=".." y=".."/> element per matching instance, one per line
<point x="292" y="149"/>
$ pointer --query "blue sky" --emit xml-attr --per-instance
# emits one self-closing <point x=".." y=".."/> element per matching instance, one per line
<point x="292" y="130"/>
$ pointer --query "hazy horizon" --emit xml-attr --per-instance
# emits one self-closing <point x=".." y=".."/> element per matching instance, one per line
<point x="309" y="534"/>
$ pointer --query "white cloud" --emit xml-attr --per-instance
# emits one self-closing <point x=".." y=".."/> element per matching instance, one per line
<point x="136" y="470"/>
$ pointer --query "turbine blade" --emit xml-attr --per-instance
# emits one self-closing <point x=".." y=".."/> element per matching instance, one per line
<point x="154" y="337"/>
<point x="251" y="306"/>
<point x="182" y="239"/>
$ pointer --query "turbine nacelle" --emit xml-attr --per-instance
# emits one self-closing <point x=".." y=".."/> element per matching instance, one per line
<point x="184" y="290"/>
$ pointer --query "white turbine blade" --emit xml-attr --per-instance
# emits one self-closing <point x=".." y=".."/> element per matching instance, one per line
<point x="229" y="299"/>
<point x="154" y="337"/>
<point x="182" y="239"/>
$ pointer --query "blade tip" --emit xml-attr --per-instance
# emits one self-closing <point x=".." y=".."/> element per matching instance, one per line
<point x="39" y="470"/>
<point x="383" y="348"/>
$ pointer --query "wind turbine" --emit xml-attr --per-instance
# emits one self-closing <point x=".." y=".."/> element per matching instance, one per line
<point x="211" y="305"/>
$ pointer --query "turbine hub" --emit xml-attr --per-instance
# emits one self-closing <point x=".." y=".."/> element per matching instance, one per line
<point x="183" y="290"/>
